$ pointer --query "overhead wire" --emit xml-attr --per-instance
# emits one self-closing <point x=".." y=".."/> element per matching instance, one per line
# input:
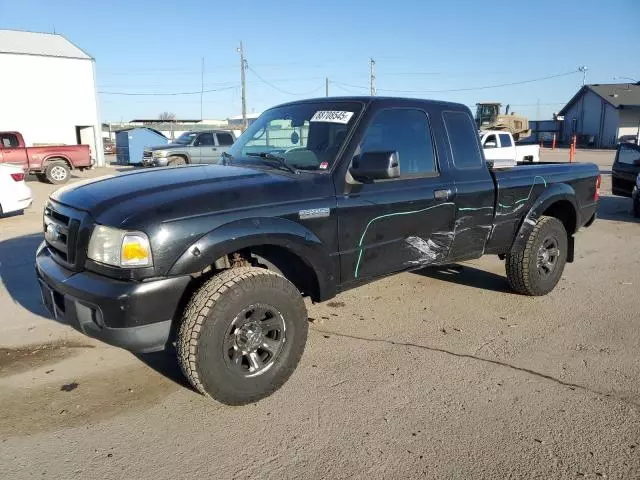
<point x="484" y="87"/>
<point x="275" y="87"/>
<point x="162" y="94"/>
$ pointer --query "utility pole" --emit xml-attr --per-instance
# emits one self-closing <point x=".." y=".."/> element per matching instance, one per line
<point x="201" y="87"/>
<point x="583" y="69"/>
<point x="326" y="86"/>
<point x="243" y="67"/>
<point x="373" y="77"/>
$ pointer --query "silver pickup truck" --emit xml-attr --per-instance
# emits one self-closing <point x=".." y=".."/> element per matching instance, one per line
<point x="204" y="146"/>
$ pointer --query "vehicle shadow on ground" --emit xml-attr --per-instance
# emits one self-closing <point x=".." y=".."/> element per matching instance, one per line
<point x="17" y="272"/>
<point x="616" y="208"/>
<point x="166" y="364"/>
<point x="469" y="276"/>
<point x="34" y="179"/>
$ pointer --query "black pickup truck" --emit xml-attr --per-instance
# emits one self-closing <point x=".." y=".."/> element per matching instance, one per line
<point x="316" y="197"/>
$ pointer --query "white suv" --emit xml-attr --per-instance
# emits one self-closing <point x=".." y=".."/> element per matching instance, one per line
<point x="15" y="195"/>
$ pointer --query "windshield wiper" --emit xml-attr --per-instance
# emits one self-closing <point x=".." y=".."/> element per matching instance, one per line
<point x="280" y="162"/>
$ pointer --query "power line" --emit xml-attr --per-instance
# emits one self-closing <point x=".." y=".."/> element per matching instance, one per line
<point x="165" y="94"/>
<point x="266" y="82"/>
<point x="484" y="87"/>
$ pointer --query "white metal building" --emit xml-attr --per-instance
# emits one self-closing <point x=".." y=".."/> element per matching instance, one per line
<point x="48" y="91"/>
<point x="607" y="113"/>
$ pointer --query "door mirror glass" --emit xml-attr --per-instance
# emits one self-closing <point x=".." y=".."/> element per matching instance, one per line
<point x="490" y="144"/>
<point x="375" y="166"/>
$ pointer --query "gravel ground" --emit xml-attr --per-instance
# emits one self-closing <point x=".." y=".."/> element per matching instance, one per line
<point x="435" y="374"/>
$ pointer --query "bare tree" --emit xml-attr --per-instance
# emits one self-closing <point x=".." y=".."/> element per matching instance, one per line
<point x="164" y="116"/>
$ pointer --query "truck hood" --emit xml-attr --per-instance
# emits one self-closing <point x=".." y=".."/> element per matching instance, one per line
<point x="159" y="195"/>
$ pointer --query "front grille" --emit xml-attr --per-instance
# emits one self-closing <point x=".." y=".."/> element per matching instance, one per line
<point x="61" y="234"/>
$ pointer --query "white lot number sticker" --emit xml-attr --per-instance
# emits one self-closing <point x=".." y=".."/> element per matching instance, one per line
<point x="332" y="116"/>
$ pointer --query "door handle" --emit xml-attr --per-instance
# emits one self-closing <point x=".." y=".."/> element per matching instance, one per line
<point x="214" y="149"/>
<point x="442" y="194"/>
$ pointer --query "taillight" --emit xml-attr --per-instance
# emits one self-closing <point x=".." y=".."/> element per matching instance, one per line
<point x="18" y="177"/>
<point x="598" y="181"/>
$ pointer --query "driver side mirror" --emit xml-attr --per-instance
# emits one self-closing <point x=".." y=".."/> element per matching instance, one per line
<point x="375" y="166"/>
<point x="490" y="145"/>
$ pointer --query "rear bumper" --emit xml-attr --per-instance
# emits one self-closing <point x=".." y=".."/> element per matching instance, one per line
<point x="20" y="199"/>
<point x="136" y="316"/>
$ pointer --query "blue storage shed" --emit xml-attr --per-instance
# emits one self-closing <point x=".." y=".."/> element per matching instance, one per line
<point x="131" y="142"/>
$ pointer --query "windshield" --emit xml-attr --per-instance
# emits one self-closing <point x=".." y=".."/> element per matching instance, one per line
<point x="305" y="136"/>
<point x="186" y="138"/>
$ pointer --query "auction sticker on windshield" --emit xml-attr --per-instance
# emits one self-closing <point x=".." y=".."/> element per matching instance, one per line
<point x="332" y="116"/>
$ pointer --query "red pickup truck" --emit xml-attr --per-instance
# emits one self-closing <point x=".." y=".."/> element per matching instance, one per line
<point x="49" y="164"/>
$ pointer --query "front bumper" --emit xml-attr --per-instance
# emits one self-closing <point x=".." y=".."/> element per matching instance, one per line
<point x="154" y="161"/>
<point x="136" y="316"/>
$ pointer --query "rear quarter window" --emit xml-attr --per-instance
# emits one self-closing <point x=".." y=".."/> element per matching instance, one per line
<point x="462" y="135"/>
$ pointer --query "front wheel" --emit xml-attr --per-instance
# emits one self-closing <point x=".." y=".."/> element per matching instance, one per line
<point x="176" y="161"/>
<point x="242" y="335"/>
<point x="536" y="269"/>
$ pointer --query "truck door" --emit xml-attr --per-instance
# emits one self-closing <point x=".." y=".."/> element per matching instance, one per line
<point x="626" y="168"/>
<point x="402" y="223"/>
<point x="491" y="147"/>
<point x="12" y="151"/>
<point x="507" y="147"/>
<point x="224" y="141"/>
<point x="204" y="148"/>
<point x="475" y="188"/>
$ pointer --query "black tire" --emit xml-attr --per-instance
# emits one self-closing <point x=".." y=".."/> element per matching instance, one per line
<point x="175" y="161"/>
<point x="531" y="271"/>
<point x="57" y="172"/>
<point x="636" y="207"/>
<point x="42" y="177"/>
<point x="218" y="324"/>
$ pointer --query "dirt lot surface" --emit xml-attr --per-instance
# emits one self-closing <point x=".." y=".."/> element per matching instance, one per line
<point x="434" y="374"/>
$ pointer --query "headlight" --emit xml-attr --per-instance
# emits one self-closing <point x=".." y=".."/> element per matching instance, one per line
<point x="119" y="248"/>
<point x="160" y="153"/>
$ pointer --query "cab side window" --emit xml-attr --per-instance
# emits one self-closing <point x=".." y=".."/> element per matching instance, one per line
<point x="224" y="139"/>
<point x="204" y="140"/>
<point x="490" y="142"/>
<point x="407" y="132"/>
<point x="9" y="140"/>
<point x="505" y="140"/>
<point x="628" y="155"/>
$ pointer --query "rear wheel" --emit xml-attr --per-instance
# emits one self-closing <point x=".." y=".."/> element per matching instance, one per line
<point x="242" y="335"/>
<point x="536" y="269"/>
<point x="57" y="172"/>
<point x="175" y="161"/>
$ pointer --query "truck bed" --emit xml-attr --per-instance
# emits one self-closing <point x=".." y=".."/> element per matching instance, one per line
<point x="78" y="155"/>
<point x="518" y="188"/>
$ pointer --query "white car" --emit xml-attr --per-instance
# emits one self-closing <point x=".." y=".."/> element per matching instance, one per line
<point x="15" y="195"/>
<point x="500" y="148"/>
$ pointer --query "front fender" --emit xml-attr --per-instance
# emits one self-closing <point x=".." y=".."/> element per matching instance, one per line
<point x="253" y="232"/>
<point x="555" y="193"/>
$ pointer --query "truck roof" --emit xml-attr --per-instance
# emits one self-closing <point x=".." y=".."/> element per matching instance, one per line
<point x="483" y="132"/>
<point x="372" y="100"/>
